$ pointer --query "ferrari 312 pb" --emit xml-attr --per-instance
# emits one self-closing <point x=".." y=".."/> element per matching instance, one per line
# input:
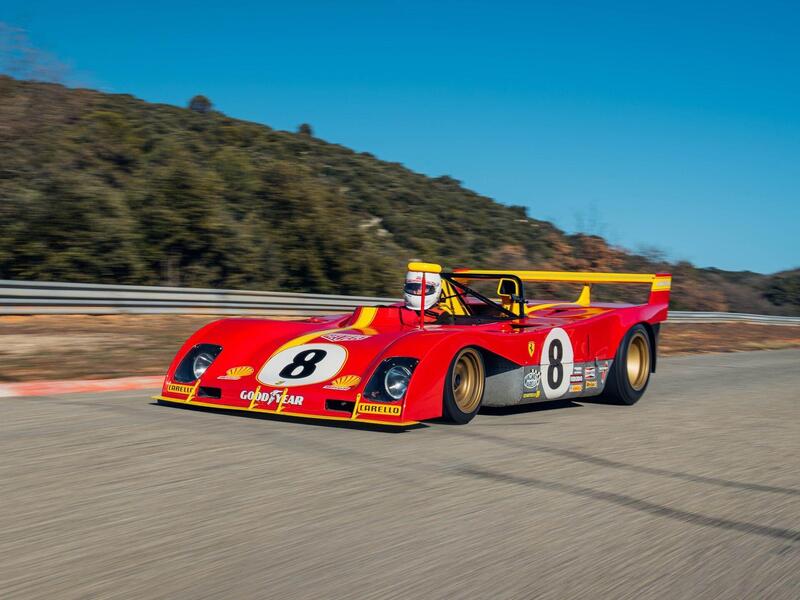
<point x="447" y="349"/>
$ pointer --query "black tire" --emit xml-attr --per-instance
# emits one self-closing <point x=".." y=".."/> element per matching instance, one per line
<point x="461" y="404"/>
<point x="630" y="373"/>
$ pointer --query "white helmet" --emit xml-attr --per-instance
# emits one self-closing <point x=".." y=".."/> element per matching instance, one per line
<point x="412" y="291"/>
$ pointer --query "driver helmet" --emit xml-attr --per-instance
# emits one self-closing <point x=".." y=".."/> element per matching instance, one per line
<point x="413" y="293"/>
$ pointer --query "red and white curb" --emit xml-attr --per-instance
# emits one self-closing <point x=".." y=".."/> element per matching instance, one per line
<point x="51" y="388"/>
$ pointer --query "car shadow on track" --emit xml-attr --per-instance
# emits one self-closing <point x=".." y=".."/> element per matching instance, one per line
<point x="299" y="420"/>
<point x="521" y="409"/>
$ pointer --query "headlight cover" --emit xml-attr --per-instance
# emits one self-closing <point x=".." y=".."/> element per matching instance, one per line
<point x="195" y="363"/>
<point x="390" y="380"/>
<point x="395" y="382"/>
<point x="201" y="362"/>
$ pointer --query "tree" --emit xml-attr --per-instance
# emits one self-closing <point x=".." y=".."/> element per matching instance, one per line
<point x="305" y="129"/>
<point x="200" y="104"/>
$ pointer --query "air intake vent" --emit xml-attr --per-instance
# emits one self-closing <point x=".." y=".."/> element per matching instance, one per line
<point x="340" y="406"/>
<point x="209" y="392"/>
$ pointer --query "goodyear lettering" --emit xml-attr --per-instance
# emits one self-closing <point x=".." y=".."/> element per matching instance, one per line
<point x="180" y="389"/>
<point x="273" y="397"/>
<point x="379" y="409"/>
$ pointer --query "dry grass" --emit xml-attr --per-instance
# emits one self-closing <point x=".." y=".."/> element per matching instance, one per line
<point x="78" y="346"/>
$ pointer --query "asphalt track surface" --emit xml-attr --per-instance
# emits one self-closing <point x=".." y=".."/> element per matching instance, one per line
<point x="692" y="493"/>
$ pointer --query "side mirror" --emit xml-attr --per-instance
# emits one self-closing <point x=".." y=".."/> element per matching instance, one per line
<point x="508" y="287"/>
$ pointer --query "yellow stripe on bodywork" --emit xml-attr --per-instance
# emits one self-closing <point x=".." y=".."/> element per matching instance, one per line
<point x="365" y="318"/>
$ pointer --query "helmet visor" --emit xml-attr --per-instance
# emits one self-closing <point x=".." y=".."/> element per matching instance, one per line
<point x="414" y="288"/>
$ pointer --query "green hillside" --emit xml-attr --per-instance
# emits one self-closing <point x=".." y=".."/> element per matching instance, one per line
<point x="107" y="188"/>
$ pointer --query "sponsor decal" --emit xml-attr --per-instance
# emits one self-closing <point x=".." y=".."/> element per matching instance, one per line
<point x="531" y="348"/>
<point x="272" y="397"/>
<point x="577" y="370"/>
<point x="237" y="373"/>
<point x="576" y="378"/>
<point x="535" y="394"/>
<point x="532" y="379"/>
<point x="557" y="361"/>
<point x="604" y="370"/>
<point x="344" y="382"/>
<point x="179" y="388"/>
<point x="590" y="373"/>
<point x="371" y="408"/>
<point x="591" y="385"/>
<point x="344" y="337"/>
<point x="576" y="388"/>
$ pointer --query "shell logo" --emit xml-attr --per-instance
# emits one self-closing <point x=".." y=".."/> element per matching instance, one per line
<point x="237" y="373"/>
<point x="344" y="383"/>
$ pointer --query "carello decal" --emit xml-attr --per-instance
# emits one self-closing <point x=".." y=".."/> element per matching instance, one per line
<point x="370" y="408"/>
<point x="177" y="388"/>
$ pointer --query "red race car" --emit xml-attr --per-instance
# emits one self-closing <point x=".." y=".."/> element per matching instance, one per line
<point x="459" y="340"/>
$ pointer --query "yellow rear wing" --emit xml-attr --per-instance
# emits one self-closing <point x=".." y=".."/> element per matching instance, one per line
<point x="660" y="283"/>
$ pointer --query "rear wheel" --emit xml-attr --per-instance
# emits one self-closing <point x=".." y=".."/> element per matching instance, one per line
<point x="630" y="373"/>
<point x="463" y="387"/>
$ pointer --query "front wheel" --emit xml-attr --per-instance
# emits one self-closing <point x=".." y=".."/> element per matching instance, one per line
<point x="630" y="373"/>
<point x="463" y="388"/>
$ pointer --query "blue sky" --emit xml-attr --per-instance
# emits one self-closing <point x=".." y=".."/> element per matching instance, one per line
<point x="670" y="124"/>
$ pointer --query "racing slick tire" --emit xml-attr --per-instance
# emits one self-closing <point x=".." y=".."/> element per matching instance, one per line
<point x="630" y="372"/>
<point x="464" y="386"/>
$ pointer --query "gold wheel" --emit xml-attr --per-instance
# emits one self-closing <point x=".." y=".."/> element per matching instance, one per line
<point x="467" y="380"/>
<point x="638" y="360"/>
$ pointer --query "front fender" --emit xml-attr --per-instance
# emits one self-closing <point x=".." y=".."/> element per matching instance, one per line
<point x="435" y="351"/>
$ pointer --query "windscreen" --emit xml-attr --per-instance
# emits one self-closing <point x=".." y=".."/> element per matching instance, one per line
<point x="479" y="296"/>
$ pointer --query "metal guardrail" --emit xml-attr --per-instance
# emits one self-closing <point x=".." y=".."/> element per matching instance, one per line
<point x="37" y="297"/>
<point x="681" y="316"/>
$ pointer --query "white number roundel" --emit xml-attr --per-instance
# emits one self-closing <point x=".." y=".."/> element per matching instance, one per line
<point x="557" y="363"/>
<point x="303" y="365"/>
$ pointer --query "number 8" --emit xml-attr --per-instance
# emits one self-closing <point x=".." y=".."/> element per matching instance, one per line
<point x="557" y="363"/>
<point x="556" y="355"/>
<point x="306" y="361"/>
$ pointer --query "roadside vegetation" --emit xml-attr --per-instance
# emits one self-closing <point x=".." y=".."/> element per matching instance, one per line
<point x="107" y="188"/>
